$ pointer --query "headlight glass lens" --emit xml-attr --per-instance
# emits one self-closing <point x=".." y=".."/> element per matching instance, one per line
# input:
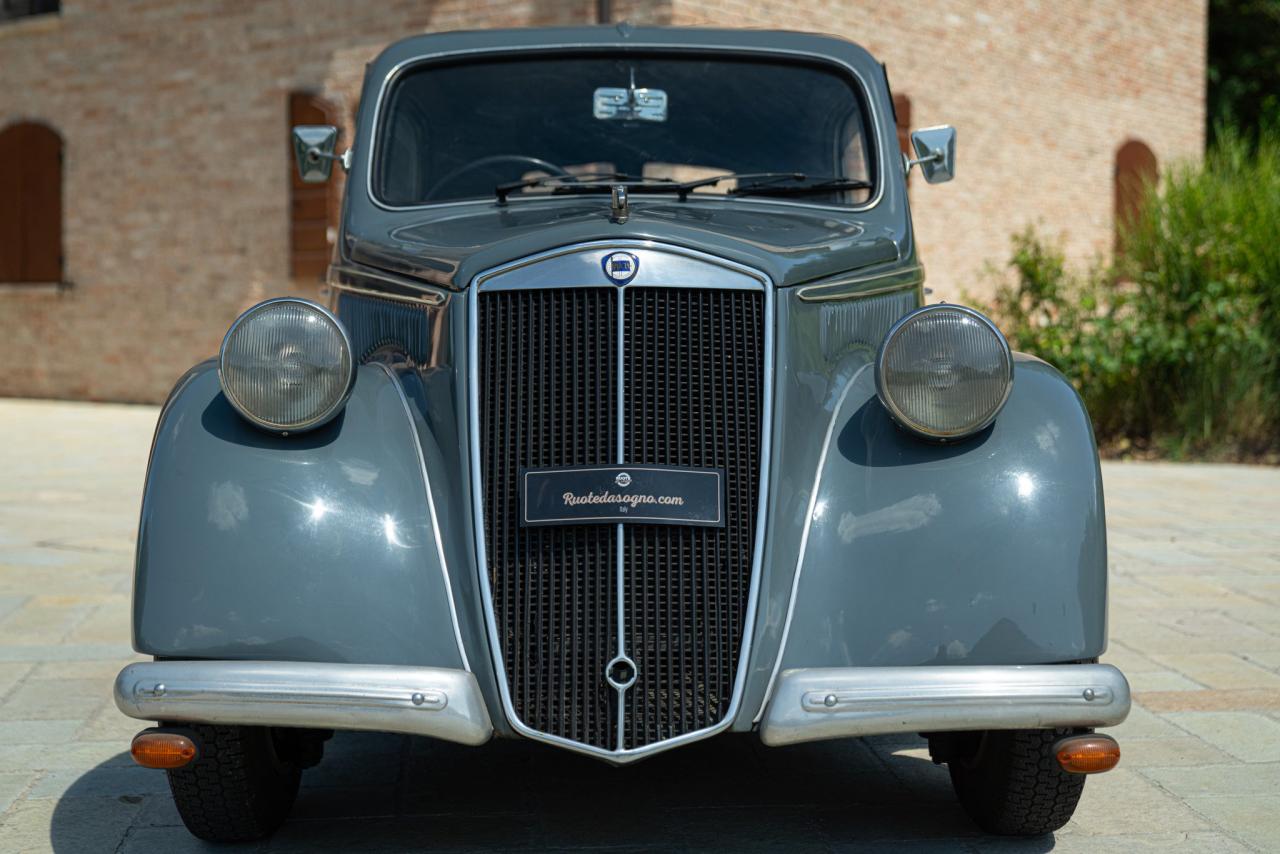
<point x="286" y="365"/>
<point x="944" y="372"/>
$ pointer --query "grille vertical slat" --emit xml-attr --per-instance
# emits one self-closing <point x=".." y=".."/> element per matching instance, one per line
<point x="687" y="588"/>
<point x="692" y="364"/>
<point x="553" y="588"/>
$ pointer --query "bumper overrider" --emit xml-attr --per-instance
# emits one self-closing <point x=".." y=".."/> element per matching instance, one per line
<point x="813" y="704"/>
<point x="433" y="701"/>
<point x="806" y="704"/>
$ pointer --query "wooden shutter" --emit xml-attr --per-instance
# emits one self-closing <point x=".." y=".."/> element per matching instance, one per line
<point x="30" y="204"/>
<point x="1136" y="168"/>
<point x="313" y="207"/>
<point x="902" y="117"/>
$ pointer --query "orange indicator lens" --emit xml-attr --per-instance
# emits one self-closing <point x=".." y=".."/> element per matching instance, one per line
<point x="162" y="750"/>
<point x="1087" y="754"/>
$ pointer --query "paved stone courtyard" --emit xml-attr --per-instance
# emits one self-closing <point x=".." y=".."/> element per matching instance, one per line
<point x="1195" y="624"/>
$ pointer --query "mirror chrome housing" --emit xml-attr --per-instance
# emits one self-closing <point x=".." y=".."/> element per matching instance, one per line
<point x="935" y="149"/>
<point x="313" y="147"/>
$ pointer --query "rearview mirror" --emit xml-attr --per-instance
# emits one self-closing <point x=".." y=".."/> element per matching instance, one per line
<point x="935" y="150"/>
<point x="313" y="147"/>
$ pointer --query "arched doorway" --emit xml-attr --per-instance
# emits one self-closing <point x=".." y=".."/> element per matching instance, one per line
<point x="1136" y="168"/>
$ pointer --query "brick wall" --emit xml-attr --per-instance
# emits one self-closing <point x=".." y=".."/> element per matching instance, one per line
<point x="176" y="189"/>
<point x="176" y="183"/>
<point x="1042" y="94"/>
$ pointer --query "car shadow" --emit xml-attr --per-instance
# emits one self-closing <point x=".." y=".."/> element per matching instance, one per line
<point x="377" y="792"/>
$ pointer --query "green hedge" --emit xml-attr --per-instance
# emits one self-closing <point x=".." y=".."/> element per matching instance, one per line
<point x="1176" y="346"/>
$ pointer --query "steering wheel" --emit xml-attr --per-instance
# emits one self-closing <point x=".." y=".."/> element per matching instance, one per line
<point x="495" y="160"/>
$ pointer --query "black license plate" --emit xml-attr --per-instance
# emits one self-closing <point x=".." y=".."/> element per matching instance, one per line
<point x="654" y="495"/>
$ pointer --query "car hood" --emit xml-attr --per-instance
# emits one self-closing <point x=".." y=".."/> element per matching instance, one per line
<point x="790" y="243"/>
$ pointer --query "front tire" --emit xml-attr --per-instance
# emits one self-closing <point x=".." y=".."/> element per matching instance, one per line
<point x="1011" y="783"/>
<point x="241" y="785"/>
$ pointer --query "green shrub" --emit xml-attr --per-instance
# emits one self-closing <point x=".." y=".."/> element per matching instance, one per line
<point x="1175" y="346"/>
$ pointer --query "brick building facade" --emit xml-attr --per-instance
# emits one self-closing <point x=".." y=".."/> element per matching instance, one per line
<point x="178" y="208"/>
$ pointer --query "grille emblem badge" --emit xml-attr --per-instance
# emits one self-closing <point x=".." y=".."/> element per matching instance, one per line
<point x="623" y="479"/>
<point x="620" y="267"/>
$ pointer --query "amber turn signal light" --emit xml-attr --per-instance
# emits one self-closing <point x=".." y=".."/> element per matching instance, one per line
<point x="162" y="749"/>
<point x="1087" y="754"/>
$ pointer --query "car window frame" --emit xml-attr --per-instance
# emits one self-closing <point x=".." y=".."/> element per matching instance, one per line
<point x="858" y="84"/>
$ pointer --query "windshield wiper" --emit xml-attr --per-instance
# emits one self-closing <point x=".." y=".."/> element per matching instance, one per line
<point x="801" y="189"/>
<point x="591" y="182"/>
<point x="761" y="184"/>
<point x="689" y="186"/>
<point x="775" y="184"/>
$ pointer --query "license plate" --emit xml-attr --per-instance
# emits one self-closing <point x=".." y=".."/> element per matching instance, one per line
<point x="653" y="495"/>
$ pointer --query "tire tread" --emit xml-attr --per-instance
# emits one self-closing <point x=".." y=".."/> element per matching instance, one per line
<point x="1016" y="786"/>
<point x="234" y="791"/>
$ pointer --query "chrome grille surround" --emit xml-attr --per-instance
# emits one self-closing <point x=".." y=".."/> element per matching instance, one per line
<point x="661" y="266"/>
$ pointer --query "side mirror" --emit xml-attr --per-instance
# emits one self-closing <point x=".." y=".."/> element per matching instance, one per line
<point x="935" y="150"/>
<point x="313" y="147"/>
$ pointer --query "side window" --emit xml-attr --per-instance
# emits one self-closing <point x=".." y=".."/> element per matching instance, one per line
<point x="313" y="208"/>
<point x="1136" y="167"/>
<point x="30" y="204"/>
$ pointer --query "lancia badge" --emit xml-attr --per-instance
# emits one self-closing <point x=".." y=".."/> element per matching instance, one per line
<point x="623" y="479"/>
<point x="620" y="267"/>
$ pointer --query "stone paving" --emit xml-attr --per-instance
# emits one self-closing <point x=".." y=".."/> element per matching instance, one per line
<point x="1195" y="624"/>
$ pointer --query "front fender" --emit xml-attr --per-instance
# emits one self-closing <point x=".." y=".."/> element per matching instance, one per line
<point x="316" y="547"/>
<point x="991" y="550"/>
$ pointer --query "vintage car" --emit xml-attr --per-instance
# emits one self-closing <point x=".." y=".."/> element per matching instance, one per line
<point x="627" y="425"/>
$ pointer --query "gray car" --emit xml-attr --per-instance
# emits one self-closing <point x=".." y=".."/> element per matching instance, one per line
<point x="627" y="425"/>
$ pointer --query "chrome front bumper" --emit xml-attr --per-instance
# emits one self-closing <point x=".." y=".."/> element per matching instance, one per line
<point x="431" y="701"/>
<point x="813" y="704"/>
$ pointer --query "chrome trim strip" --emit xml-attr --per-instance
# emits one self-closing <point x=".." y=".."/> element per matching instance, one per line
<point x="431" y="299"/>
<point x="884" y="155"/>
<point x="431" y="509"/>
<point x="578" y="266"/>
<point x="433" y="701"/>
<point x="759" y="281"/>
<point x="620" y="755"/>
<point x="865" y="285"/>
<point x="804" y="539"/>
<point x="840" y="702"/>
<point x="620" y="533"/>
<point x="620" y="592"/>
<point x="569" y="283"/>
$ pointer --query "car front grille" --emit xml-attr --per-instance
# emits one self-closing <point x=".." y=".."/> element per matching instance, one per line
<point x="692" y="364"/>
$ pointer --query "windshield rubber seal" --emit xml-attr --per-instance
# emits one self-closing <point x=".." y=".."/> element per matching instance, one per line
<point x="863" y="92"/>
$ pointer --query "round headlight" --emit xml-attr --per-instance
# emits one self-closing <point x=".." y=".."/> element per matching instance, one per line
<point x="286" y="365"/>
<point x="944" y="372"/>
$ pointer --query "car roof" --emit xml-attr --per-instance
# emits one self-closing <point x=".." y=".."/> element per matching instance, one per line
<point x="623" y="37"/>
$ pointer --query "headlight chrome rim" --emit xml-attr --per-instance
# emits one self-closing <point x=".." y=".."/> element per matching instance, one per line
<point x="319" y="419"/>
<point x="912" y="426"/>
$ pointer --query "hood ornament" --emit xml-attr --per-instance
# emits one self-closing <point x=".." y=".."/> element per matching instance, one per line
<point x="619" y="208"/>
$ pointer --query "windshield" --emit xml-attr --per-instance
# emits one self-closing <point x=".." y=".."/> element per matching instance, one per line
<point x="456" y="131"/>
